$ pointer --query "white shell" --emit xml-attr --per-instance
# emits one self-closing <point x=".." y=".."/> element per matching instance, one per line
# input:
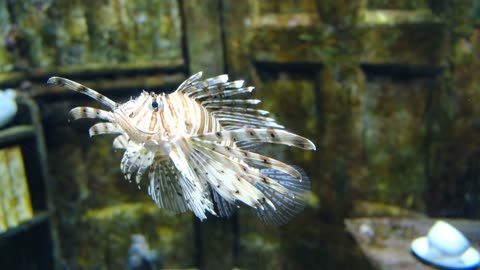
<point x="8" y="105"/>
<point x="446" y="247"/>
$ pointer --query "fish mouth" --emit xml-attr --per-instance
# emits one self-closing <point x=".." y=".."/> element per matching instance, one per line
<point x="162" y="147"/>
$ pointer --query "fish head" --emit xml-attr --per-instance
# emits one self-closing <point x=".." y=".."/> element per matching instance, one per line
<point x="142" y="118"/>
<point x="146" y="104"/>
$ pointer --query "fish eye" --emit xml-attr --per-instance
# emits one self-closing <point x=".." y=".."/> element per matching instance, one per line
<point x="155" y="105"/>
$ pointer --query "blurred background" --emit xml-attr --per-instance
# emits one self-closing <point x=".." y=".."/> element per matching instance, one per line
<point x="387" y="90"/>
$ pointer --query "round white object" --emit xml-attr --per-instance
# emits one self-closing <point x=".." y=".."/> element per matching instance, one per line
<point x="8" y="106"/>
<point x="446" y="247"/>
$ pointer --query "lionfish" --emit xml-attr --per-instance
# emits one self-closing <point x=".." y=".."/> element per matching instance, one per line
<point x="196" y="147"/>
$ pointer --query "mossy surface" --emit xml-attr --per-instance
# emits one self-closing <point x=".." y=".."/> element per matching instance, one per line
<point x="70" y="33"/>
<point x="387" y="90"/>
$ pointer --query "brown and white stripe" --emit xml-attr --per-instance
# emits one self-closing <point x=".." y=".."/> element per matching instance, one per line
<point x="192" y="144"/>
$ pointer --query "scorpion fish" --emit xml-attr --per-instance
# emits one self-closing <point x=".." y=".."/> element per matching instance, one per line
<point x="195" y="146"/>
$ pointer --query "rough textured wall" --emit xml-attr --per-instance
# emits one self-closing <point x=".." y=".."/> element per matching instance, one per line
<point x="453" y="149"/>
<point x="112" y="46"/>
<point x="63" y="33"/>
<point x="387" y="90"/>
<point x="392" y="85"/>
<point x="379" y="70"/>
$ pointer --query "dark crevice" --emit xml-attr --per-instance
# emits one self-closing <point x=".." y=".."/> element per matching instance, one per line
<point x="197" y="225"/>
<point x="223" y="36"/>
<point x="184" y="38"/>
<point x="110" y="74"/>
<point x="11" y="12"/>
<point x="400" y="72"/>
<point x="234" y="219"/>
<point x="274" y="71"/>
<point x="86" y="75"/>
<point x="198" y="240"/>
<point x="290" y="67"/>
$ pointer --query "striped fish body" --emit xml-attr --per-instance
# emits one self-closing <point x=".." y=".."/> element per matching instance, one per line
<point x="194" y="145"/>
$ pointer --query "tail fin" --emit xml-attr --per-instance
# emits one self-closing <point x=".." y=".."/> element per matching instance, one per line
<point x="286" y="205"/>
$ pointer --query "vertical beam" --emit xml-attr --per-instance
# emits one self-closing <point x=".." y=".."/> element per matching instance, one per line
<point x="204" y="51"/>
<point x="204" y="36"/>
<point x="236" y="23"/>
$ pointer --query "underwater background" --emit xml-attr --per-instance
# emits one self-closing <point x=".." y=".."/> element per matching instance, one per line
<point x="389" y="92"/>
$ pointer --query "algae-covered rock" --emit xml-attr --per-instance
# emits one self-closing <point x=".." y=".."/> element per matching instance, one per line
<point x="394" y="135"/>
<point x="387" y="90"/>
<point x="37" y="49"/>
<point x="452" y="187"/>
<point x="96" y="32"/>
<point x="165" y="232"/>
<point x="7" y="38"/>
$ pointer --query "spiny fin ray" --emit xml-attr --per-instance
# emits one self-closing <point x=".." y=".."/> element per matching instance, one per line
<point x="286" y="205"/>
<point x="120" y="142"/>
<point x="87" y="112"/>
<point x="255" y="158"/>
<point x="205" y="167"/>
<point x="258" y="135"/>
<point x="104" y="128"/>
<point x="182" y="87"/>
<point x="164" y="187"/>
<point x="83" y="90"/>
